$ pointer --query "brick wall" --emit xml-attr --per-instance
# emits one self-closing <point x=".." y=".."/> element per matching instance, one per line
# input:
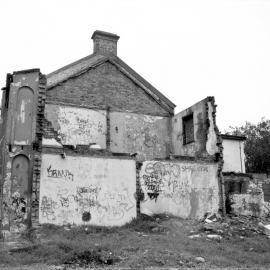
<point x="105" y="86"/>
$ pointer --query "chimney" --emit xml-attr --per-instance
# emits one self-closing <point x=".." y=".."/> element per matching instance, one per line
<point x="105" y="43"/>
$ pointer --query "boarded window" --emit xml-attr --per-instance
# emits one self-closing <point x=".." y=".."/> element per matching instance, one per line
<point x="266" y="192"/>
<point x="188" y="129"/>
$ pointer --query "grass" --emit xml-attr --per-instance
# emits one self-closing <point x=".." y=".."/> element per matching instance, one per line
<point x="146" y="241"/>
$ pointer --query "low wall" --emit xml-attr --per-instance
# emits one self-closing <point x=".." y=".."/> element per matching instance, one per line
<point x="184" y="189"/>
<point x="252" y="198"/>
<point x="87" y="190"/>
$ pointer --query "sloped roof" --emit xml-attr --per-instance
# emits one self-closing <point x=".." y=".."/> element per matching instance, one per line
<point x="93" y="60"/>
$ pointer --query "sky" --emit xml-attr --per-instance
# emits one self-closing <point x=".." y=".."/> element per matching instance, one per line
<point x="187" y="49"/>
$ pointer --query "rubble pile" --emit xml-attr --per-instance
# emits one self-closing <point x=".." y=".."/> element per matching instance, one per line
<point x="217" y="228"/>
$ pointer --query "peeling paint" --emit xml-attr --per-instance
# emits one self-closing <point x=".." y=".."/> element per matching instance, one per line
<point x="148" y="136"/>
<point x="78" y="125"/>
<point x="17" y="84"/>
<point x="205" y="131"/>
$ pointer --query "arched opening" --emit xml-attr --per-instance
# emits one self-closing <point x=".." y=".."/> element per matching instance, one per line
<point x="20" y="175"/>
<point x="24" y="116"/>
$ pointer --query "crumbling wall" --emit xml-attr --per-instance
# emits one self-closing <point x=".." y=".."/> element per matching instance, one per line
<point x="247" y="194"/>
<point x="181" y="188"/>
<point x="75" y="125"/>
<point x="148" y="136"/>
<point x="16" y="196"/>
<point x="87" y="190"/>
<point x="23" y="106"/>
<point x="206" y="135"/>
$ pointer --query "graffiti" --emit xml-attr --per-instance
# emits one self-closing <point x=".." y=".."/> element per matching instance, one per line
<point x="117" y="203"/>
<point x="153" y="182"/>
<point x="153" y="196"/>
<point x="93" y="190"/>
<point x="53" y="173"/>
<point x="150" y="140"/>
<point x="111" y="205"/>
<point x="48" y="207"/>
<point x="173" y="169"/>
<point x="18" y="206"/>
<point x="164" y="180"/>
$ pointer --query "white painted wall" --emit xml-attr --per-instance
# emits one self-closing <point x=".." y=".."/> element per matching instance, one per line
<point x="234" y="156"/>
<point x="70" y="187"/>
<point x="183" y="189"/>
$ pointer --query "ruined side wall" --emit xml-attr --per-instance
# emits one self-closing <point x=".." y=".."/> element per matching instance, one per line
<point x="183" y="189"/>
<point x="20" y="148"/>
<point x="205" y="131"/>
<point x="87" y="190"/>
<point x="149" y="136"/>
<point x="75" y="125"/>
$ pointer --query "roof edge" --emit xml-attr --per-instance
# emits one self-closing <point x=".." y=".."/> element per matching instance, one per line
<point x="233" y="137"/>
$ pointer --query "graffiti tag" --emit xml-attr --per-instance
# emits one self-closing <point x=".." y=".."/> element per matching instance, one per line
<point x="65" y="174"/>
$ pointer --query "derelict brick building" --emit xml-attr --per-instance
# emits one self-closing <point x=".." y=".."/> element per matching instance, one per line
<point x="95" y="143"/>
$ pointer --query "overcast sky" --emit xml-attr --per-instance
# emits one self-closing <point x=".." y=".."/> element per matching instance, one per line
<point x="187" y="49"/>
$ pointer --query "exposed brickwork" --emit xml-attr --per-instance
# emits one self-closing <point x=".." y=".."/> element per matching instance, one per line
<point x="218" y="156"/>
<point x="108" y="133"/>
<point x="139" y="192"/>
<point x="105" y="86"/>
<point x="37" y="147"/>
<point x="49" y="132"/>
<point x="104" y="42"/>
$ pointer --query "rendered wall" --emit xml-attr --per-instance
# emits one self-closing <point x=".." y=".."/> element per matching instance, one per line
<point x="205" y="130"/>
<point x="137" y="133"/>
<point x="234" y="156"/>
<point x="87" y="190"/>
<point x="76" y="125"/>
<point x="183" y="189"/>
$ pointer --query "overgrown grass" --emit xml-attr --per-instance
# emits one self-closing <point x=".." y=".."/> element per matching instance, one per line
<point x="145" y="241"/>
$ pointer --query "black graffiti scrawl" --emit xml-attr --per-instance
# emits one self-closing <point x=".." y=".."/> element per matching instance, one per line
<point x="56" y="173"/>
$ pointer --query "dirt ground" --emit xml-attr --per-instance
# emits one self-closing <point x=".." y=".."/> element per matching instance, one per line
<point x="160" y="241"/>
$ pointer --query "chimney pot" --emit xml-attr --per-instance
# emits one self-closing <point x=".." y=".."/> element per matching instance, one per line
<point x="105" y="43"/>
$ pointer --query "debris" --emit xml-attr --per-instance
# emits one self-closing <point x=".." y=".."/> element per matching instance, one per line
<point x="194" y="236"/>
<point x="180" y="262"/>
<point x="260" y="224"/>
<point x="199" y="259"/>
<point x="211" y="218"/>
<point x="267" y="229"/>
<point x="214" y="236"/>
<point x="208" y="220"/>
